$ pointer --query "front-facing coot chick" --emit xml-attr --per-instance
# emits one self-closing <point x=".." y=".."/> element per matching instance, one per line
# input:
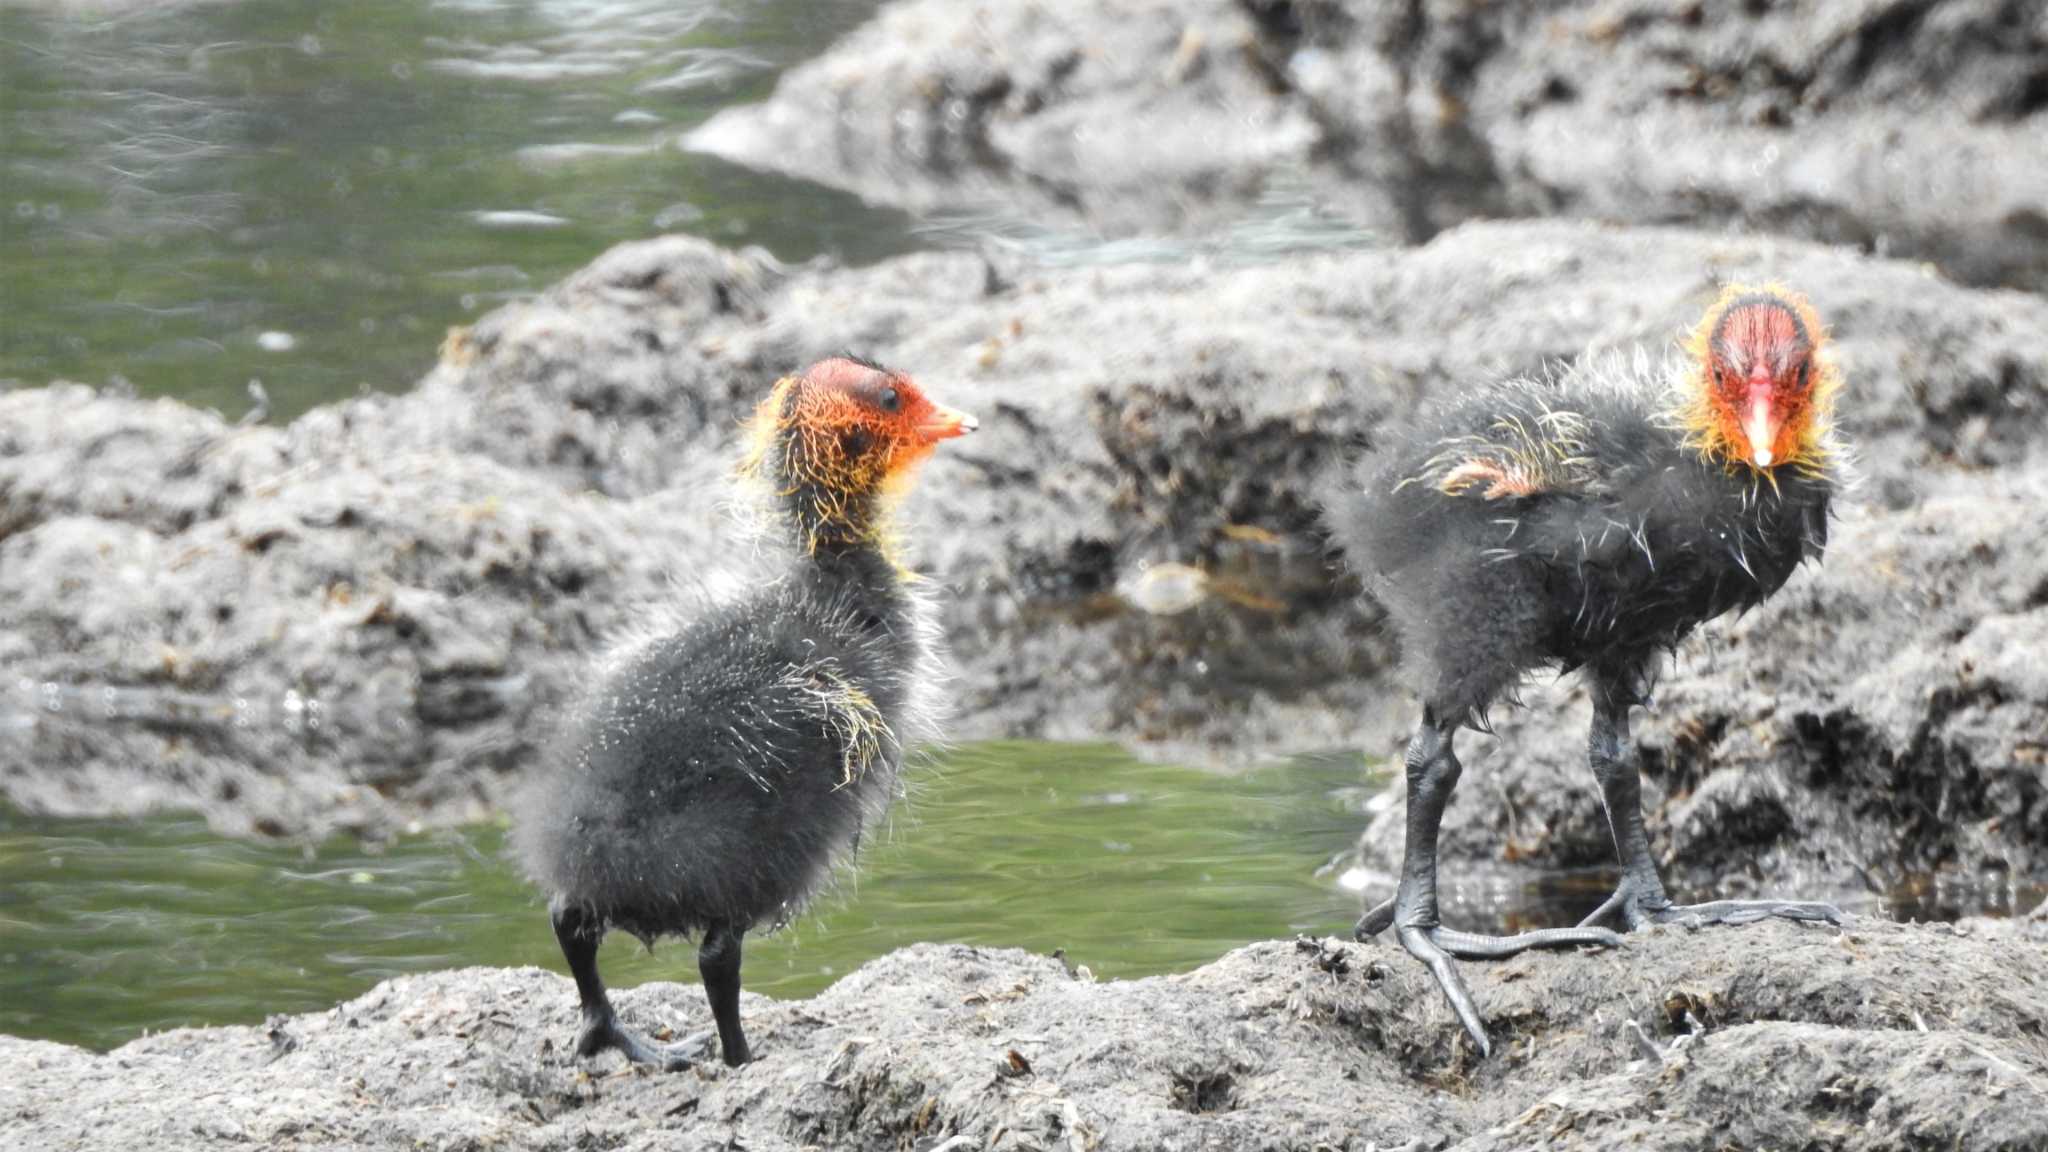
<point x="1589" y="522"/>
<point x="719" y="768"/>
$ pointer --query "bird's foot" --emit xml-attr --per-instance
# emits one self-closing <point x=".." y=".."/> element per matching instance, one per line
<point x="1435" y="945"/>
<point x="1637" y="912"/>
<point x="602" y="1032"/>
<point x="1472" y="946"/>
<point x="1421" y="944"/>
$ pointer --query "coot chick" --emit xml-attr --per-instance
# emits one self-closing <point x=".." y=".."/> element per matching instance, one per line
<point x="722" y="765"/>
<point x="1589" y="522"/>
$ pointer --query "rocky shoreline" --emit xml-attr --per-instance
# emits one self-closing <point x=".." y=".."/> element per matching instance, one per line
<point x="367" y="617"/>
<point x="1875" y="1036"/>
<point x="1899" y="127"/>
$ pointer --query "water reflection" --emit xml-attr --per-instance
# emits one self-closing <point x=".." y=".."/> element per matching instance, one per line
<point x="1287" y="218"/>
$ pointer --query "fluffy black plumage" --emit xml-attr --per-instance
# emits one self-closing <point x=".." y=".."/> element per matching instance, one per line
<point x="723" y="763"/>
<point x="1608" y="539"/>
<point x="1587" y="522"/>
<point x="719" y="771"/>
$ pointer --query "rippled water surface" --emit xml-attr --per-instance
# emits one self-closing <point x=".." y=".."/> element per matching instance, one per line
<point x="195" y="195"/>
<point x="109" y="928"/>
<point x="198" y="194"/>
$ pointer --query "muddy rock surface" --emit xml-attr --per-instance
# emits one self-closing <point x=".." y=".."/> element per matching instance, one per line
<point x="289" y="638"/>
<point x="1129" y="548"/>
<point x="1878" y="1036"/>
<point x="1894" y="125"/>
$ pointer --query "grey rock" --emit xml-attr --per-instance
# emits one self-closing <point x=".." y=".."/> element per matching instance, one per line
<point x="288" y="638"/>
<point x="1895" y="125"/>
<point x="1155" y="112"/>
<point x="1879" y="1036"/>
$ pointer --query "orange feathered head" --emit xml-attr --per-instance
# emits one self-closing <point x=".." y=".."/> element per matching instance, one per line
<point x="841" y="436"/>
<point x="1762" y="384"/>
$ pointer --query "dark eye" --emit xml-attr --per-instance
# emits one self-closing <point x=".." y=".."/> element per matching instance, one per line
<point x="888" y="399"/>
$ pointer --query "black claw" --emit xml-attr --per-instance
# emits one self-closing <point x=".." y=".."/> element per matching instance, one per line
<point x="695" y="1047"/>
<point x="1470" y="946"/>
<point x="1376" y="920"/>
<point x="1614" y="905"/>
<point x="1436" y="946"/>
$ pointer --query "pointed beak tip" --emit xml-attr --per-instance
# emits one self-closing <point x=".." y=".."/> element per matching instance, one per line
<point x="948" y="423"/>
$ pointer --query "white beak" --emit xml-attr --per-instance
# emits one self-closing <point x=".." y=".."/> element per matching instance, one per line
<point x="1762" y="429"/>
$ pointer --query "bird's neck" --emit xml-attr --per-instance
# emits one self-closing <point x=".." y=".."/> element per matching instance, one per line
<point x="863" y="573"/>
<point x="828" y="502"/>
<point x="837" y="527"/>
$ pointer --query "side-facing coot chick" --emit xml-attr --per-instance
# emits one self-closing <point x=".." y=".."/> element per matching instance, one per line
<point x="1589" y="522"/>
<point x="719" y="768"/>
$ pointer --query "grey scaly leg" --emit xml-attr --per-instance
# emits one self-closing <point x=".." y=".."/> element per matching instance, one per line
<point x="1433" y="772"/>
<point x="1640" y="899"/>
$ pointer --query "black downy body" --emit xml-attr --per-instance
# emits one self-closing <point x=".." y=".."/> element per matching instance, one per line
<point x="723" y="765"/>
<point x="1570" y="524"/>
<point x="1633" y="540"/>
<point x="716" y="776"/>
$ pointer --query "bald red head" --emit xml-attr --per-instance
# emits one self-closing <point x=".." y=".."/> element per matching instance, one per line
<point x="1760" y="366"/>
<point x="849" y="392"/>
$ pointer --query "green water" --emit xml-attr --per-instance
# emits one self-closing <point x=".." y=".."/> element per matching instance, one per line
<point x="182" y="182"/>
<point x="196" y="195"/>
<point x="108" y="928"/>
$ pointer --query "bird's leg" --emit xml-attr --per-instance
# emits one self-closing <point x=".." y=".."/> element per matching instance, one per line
<point x="718" y="958"/>
<point x="1640" y="899"/>
<point x="1432" y="773"/>
<point x="579" y="935"/>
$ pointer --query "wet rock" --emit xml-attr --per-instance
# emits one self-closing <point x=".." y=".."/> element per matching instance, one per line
<point x="1895" y="126"/>
<point x="564" y="463"/>
<point x="1880" y="1036"/>
<point x="603" y="381"/>
<point x="1157" y="113"/>
<point x="289" y="639"/>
